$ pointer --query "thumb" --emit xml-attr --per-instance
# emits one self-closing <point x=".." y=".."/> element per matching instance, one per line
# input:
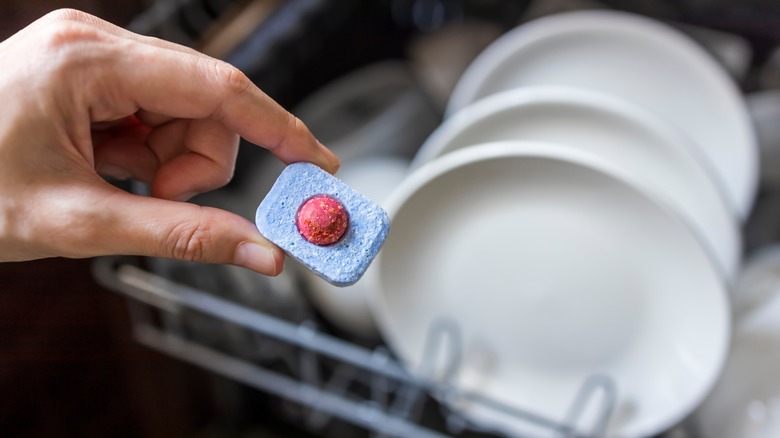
<point x="136" y="225"/>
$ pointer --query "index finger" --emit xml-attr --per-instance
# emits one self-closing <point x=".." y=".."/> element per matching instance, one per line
<point x="185" y="85"/>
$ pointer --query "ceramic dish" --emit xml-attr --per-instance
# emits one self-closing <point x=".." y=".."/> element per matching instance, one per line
<point x="554" y="268"/>
<point x="658" y="158"/>
<point x="375" y="110"/>
<point x="636" y="58"/>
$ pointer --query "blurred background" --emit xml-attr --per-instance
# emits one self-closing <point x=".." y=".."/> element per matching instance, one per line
<point x="69" y="364"/>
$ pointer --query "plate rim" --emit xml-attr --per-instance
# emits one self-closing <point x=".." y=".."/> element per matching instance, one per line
<point x="570" y="97"/>
<point x="744" y="186"/>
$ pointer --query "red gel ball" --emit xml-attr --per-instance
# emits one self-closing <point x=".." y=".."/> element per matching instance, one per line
<point x="322" y="220"/>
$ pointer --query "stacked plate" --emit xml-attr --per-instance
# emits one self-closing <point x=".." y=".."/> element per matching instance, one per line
<point x="577" y="213"/>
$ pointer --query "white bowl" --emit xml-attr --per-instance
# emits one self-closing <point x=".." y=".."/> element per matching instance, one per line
<point x="348" y="307"/>
<point x="657" y="157"/>
<point x="378" y="109"/>
<point x="636" y="58"/>
<point x="554" y="268"/>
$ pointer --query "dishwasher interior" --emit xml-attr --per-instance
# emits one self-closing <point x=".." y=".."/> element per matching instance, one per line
<point x="279" y="352"/>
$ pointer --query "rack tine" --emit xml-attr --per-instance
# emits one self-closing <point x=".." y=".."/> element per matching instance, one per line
<point x="441" y="331"/>
<point x="586" y="393"/>
<point x="408" y="403"/>
<point x="309" y="364"/>
<point x="338" y="383"/>
<point x="379" y="383"/>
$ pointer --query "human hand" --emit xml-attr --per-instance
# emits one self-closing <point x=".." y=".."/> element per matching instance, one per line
<point x="82" y="97"/>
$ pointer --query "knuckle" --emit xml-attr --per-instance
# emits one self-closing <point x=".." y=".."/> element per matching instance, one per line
<point x="67" y="34"/>
<point x="66" y="14"/>
<point x="296" y="124"/>
<point x="77" y="52"/>
<point x="233" y="80"/>
<point x="189" y="241"/>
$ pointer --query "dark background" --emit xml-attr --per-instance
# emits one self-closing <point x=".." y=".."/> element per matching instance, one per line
<point x="68" y="364"/>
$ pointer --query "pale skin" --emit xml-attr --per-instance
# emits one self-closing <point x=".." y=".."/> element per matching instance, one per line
<point x="83" y="99"/>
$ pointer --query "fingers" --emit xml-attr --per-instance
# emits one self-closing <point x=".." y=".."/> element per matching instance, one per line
<point x="121" y="150"/>
<point x="207" y="164"/>
<point x="125" y="158"/>
<point x="184" y="85"/>
<point x="151" y="119"/>
<point x="165" y="80"/>
<point x="160" y="228"/>
<point x="180" y="158"/>
<point x="97" y="219"/>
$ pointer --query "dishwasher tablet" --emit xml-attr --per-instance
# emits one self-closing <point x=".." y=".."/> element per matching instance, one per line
<point x="323" y="223"/>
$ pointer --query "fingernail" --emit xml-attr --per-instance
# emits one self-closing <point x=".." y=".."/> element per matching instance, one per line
<point x="112" y="171"/>
<point x="257" y="257"/>
<point x="185" y="196"/>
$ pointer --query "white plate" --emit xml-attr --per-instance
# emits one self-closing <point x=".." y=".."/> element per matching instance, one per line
<point x="554" y="268"/>
<point x="635" y="58"/>
<point x="657" y="157"/>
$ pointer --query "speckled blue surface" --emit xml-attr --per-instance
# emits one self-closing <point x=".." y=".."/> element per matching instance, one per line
<point x="343" y="262"/>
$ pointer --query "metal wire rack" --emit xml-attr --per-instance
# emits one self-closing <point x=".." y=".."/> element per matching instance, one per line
<point x="331" y="377"/>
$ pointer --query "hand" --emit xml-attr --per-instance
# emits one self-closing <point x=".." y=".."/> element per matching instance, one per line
<point x="81" y="98"/>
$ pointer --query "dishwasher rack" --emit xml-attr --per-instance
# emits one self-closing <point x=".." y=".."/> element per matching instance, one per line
<point x="329" y="376"/>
